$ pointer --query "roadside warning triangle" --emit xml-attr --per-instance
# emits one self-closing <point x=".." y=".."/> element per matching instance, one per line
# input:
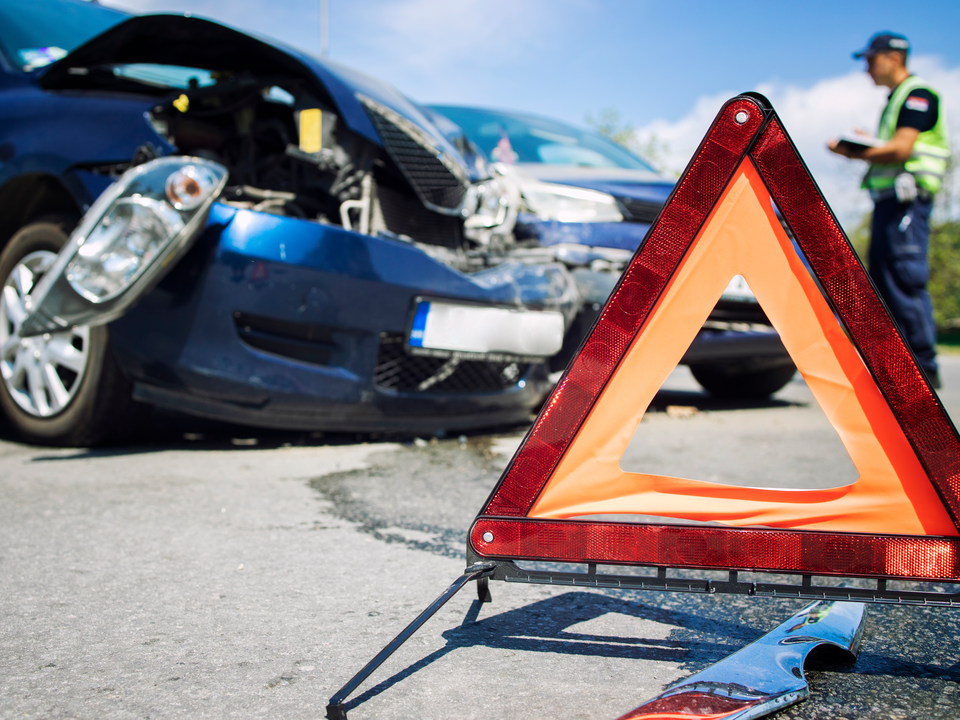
<point x="898" y="520"/>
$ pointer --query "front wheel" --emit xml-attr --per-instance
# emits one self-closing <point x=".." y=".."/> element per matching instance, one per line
<point x="58" y="388"/>
<point x="734" y="381"/>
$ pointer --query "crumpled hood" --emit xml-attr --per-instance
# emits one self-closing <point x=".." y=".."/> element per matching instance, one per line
<point x="621" y="182"/>
<point x="186" y="41"/>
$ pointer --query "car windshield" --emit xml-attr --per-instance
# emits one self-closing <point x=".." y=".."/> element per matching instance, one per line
<point x="35" y="33"/>
<point x="168" y="76"/>
<point x="512" y="137"/>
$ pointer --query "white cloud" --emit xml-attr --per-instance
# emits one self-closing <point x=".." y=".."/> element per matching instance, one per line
<point x="470" y="54"/>
<point x="422" y="47"/>
<point x="227" y="12"/>
<point x="812" y="115"/>
<point x="422" y="35"/>
<point x="436" y="37"/>
<point x="294" y="23"/>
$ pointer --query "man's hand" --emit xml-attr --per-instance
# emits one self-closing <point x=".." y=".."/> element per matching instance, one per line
<point x="844" y="149"/>
<point x="896" y="151"/>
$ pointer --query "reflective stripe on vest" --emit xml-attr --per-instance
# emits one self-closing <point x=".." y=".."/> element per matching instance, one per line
<point x="931" y="151"/>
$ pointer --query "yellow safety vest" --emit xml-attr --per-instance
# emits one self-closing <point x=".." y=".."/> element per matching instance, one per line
<point x="931" y="151"/>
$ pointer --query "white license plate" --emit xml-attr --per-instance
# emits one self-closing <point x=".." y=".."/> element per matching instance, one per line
<point x="474" y="329"/>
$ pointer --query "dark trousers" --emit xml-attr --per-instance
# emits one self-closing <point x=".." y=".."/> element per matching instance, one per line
<point x="899" y="240"/>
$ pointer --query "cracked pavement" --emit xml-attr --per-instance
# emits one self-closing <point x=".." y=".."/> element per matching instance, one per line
<point x="227" y="572"/>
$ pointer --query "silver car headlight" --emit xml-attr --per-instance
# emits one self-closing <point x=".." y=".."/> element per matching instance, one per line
<point x="124" y="244"/>
<point x="563" y="203"/>
<point x="120" y="246"/>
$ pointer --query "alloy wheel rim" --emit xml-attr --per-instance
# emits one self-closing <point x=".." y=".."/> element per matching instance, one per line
<point x="41" y="374"/>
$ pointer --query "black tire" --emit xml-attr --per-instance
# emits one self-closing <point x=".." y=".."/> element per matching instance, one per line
<point x="100" y="408"/>
<point x="733" y="381"/>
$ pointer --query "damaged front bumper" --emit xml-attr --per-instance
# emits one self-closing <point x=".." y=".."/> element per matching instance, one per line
<point x="287" y="323"/>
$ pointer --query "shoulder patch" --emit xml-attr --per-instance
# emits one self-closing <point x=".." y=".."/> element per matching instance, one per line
<point x="917" y="103"/>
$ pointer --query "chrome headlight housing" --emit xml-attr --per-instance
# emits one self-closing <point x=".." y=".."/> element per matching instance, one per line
<point x="131" y="235"/>
<point x="486" y="204"/>
<point x="121" y="246"/>
<point x="564" y="203"/>
<point x="490" y="207"/>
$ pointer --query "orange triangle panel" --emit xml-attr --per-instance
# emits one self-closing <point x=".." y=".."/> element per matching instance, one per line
<point x="899" y="519"/>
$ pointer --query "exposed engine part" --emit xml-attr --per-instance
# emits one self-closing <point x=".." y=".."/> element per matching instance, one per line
<point x="346" y="185"/>
<point x="242" y="125"/>
<point x="276" y="202"/>
<point x="267" y="194"/>
<point x="288" y="154"/>
<point x="326" y="159"/>
<point x="363" y="205"/>
<point x="145" y="153"/>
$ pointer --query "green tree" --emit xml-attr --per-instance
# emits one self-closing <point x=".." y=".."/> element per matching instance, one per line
<point x="651" y="148"/>
<point x="945" y="207"/>
<point x="860" y="237"/>
<point x="657" y="153"/>
<point x="944" y="283"/>
<point x="610" y="124"/>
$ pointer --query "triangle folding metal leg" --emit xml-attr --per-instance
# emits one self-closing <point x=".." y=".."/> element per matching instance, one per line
<point x="666" y="579"/>
<point x="480" y="572"/>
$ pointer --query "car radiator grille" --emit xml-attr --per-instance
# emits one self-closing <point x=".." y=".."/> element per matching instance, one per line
<point x="439" y="182"/>
<point x="639" y="211"/>
<point x="396" y="370"/>
<point x="405" y="215"/>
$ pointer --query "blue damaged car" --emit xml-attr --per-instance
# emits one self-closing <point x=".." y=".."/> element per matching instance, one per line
<point x="589" y="202"/>
<point x="196" y="218"/>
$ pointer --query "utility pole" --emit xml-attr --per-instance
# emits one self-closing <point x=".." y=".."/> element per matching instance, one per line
<point x="324" y="28"/>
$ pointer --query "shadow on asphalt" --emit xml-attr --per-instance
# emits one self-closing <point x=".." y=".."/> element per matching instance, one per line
<point x="543" y="626"/>
<point x="885" y="665"/>
<point x="168" y="429"/>
<point x="704" y="401"/>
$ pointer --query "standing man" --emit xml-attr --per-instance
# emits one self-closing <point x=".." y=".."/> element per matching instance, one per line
<point x="906" y="171"/>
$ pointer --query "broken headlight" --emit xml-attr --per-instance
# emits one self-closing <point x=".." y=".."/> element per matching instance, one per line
<point x="490" y="208"/>
<point x="121" y="246"/>
<point x="131" y="236"/>
<point x="486" y="204"/>
<point x="563" y="203"/>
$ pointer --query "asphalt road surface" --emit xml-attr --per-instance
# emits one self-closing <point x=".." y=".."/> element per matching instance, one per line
<point x="224" y="572"/>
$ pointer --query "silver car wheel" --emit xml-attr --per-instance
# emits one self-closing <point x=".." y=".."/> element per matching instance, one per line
<point x="42" y="374"/>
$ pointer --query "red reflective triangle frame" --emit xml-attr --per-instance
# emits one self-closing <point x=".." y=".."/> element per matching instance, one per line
<point x="746" y="129"/>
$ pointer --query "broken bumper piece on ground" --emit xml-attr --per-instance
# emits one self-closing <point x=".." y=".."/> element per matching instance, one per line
<point x="767" y="675"/>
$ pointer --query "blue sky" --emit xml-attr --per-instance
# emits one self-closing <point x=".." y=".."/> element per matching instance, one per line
<point x="649" y="59"/>
<point x="665" y="66"/>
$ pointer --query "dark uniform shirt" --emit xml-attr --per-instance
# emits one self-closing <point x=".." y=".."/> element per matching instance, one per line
<point x="919" y="111"/>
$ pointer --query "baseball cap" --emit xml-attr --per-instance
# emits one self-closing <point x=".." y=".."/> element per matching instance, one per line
<point x="882" y="42"/>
